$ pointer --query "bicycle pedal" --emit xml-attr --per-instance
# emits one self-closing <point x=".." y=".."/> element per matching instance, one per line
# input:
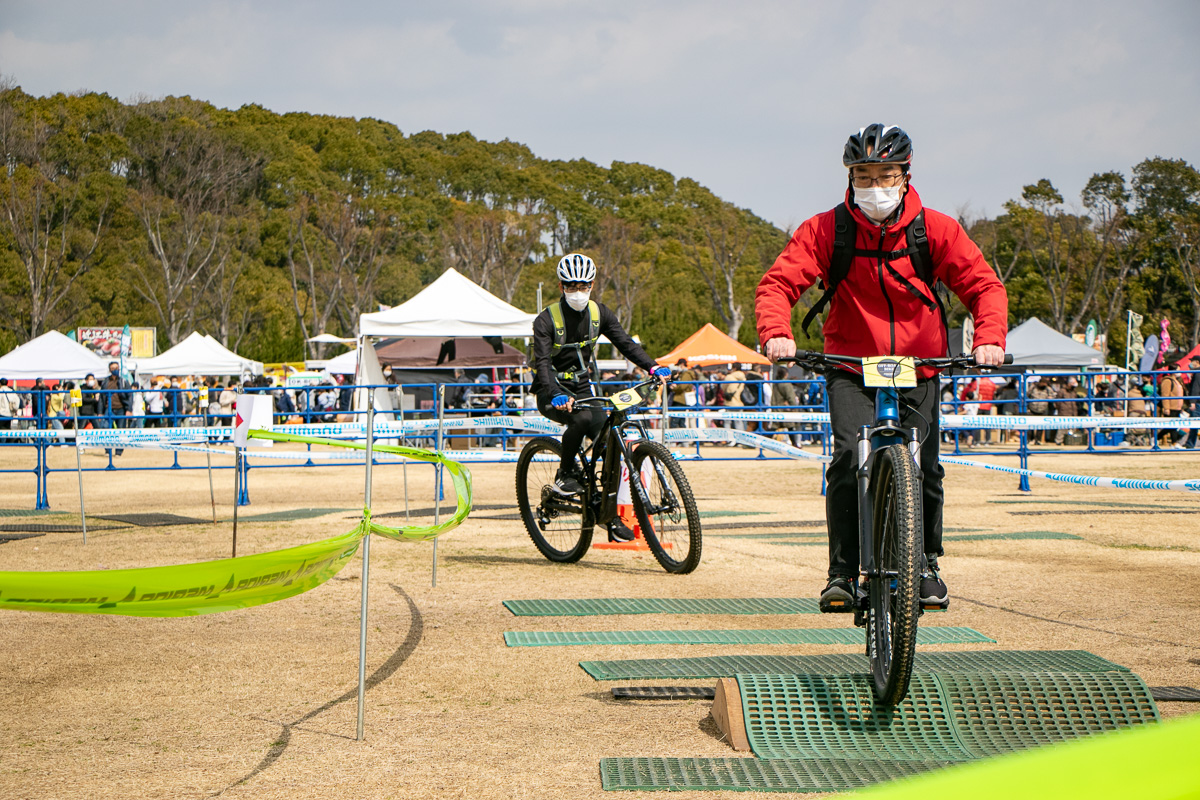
<point x="935" y="607"/>
<point x="837" y="607"/>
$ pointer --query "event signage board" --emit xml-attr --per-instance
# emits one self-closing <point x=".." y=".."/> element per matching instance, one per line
<point x="106" y="341"/>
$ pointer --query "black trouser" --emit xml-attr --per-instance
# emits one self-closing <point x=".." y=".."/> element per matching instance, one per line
<point x="583" y="421"/>
<point x="852" y="406"/>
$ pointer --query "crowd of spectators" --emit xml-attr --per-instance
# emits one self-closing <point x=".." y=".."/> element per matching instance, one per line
<point x="159" y="401"/>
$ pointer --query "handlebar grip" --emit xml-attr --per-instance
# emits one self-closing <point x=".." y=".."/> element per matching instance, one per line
<point x="1008" y="358"/>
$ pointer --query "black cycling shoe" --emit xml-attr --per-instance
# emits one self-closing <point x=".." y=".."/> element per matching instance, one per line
<point x="566" y="483"/>
<point x="618" y="531"/>
<point x="934" y="593"/>
<point x="838" y="595"/>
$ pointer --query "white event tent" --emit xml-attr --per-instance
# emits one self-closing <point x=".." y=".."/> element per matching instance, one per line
<point x="1033" y="343"/>
<point x="52" y="356"/>
<point x="198" y="354"/>
<point x="453" y="305"/>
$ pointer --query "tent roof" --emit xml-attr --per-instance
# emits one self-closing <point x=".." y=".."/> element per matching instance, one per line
<point x="1182" y="361"/>
<point x="53" y="356"/>
<point x="1033" y="343"/>
<point x="199" y="354"/>
<point x="453" y="305"/>
<point x="709" y="346"/>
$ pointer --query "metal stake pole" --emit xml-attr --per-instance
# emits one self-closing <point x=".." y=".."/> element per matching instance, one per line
<point x="366" y="573"/>
<point x="237" y="486"/>
<point x="403" y="442"/>
<point x="437" y="480"/>
<point x="212" y="495"/>
<point x="79" y="469"/>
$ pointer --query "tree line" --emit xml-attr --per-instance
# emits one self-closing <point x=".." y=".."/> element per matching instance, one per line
<point x="264" y="229"/>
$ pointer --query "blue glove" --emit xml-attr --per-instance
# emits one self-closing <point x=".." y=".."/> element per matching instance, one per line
<point x="662" y="372"/>
<point x="560" y="401"/>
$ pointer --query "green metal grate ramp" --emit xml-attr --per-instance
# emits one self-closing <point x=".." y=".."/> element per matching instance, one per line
<point x="834" y="663"/>
<point x="945" y="717"/>
<point x="634" y="605"/>
<point x="752" y="774"/>
<point x="833" y="636"/>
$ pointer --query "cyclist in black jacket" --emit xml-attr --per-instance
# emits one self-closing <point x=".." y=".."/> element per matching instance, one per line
<point x="564" y="344"/>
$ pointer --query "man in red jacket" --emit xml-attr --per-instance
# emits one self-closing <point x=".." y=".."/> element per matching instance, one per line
<point x="881" y="307"/>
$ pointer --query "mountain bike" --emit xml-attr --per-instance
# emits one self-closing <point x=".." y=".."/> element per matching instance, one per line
<point x="890" y="521"/>
<point x="561" y="526"/>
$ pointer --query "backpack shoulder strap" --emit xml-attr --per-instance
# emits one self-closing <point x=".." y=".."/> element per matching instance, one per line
<point x="845" y="234"/>
<point x="593" y="321"/>
<point x="560" y="324"/>
<point x="917" y="236"/>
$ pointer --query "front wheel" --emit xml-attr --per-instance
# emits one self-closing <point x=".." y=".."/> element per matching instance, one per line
<point x="560" y="527"/>
<point x="671" y="522"/>
<point x="896" y="534"/>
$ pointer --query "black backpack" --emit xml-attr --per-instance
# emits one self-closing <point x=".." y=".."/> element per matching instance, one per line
<point x="844" y="238"/>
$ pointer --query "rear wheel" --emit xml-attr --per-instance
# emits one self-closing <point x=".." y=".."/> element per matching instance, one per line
<point x="671" y="522"/>
<point x="560" y="527"/>
<point x="897" y="534"/>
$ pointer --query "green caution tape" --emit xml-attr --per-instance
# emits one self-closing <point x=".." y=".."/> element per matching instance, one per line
<point x="185" y="590"/>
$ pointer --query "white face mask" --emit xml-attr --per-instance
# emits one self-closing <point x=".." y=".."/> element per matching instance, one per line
<point x="578" y="300"/>
<point x="877" y="202"/>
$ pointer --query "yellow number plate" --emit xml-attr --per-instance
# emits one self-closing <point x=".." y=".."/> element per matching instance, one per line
<point x="626" y="398"/>
<point x="76" y="397"/>
<point x="898" y="371"/>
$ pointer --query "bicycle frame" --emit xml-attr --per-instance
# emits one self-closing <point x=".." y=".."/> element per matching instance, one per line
<point x="611" y="445"/>
<point x="871" y="439"/>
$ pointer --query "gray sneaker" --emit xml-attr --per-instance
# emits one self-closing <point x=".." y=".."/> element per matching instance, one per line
<point x="566" y="483"/>
<point x="933" y="588"/>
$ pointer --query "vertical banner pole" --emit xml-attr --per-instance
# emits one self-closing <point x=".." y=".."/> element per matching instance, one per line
<point x="366" y="571"/>
<point x="79" y="469"/>
<point x="437" y="481"/>
<point x="665" y="399"/>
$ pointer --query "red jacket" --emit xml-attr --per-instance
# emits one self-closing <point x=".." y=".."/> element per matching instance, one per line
<point x="872" y="313"/>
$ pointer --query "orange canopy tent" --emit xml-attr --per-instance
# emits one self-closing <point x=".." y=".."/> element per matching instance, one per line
<point x="709" y="346"/>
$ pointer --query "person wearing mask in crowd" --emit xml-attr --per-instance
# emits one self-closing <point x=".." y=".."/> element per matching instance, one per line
<point x="1068" y="406"/>
<point x="156" y="403"/>
<point x="1138" y="437"/>
<point x="783" y="398"/>
<point x="1171" y="389"/>
<point x="1193" y="402"/>
<point x="225" y="402"/>
<point x="90" y="407"/>
<point x="1038" y="395"/>
<point x="117" y="400"/>
<point x="731" y="394"/>
<point x="10" y="405"/>
<point x="683" y="393"/>
<point x="1006" y="404"/>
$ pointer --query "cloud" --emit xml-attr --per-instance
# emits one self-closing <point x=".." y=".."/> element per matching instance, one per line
<point x="752" y="99"/>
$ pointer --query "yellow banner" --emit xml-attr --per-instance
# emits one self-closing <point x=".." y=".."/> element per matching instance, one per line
<point x="208" y="587"/>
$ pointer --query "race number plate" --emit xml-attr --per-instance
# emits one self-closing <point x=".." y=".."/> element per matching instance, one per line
<point x="898" y="371"/>
<point x="626" y="398"/>
<point x="76" y="397"/>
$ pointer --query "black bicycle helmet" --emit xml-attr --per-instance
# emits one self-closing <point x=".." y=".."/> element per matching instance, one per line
<point x="878" y="144"/>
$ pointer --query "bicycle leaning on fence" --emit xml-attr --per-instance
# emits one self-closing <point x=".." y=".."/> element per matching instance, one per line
<point x="561" y="525"/>
<point x="890" y="520"/>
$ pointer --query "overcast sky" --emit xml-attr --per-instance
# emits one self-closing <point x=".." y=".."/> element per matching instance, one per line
<point x="752" y="99"/>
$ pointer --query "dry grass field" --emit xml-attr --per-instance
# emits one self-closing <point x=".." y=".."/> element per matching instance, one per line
<point x="260" y="703"/>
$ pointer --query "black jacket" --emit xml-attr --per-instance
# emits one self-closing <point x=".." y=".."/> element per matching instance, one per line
<point x="547" y="363"/>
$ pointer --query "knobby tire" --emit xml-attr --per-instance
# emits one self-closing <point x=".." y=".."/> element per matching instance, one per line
<point x="568" y="534"/>
<point x="897" y="537"/>
<point x="673" y="533"/>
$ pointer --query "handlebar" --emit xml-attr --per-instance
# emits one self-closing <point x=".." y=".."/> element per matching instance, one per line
<point x="811" y="359"/>
<point x="637" y="387"/>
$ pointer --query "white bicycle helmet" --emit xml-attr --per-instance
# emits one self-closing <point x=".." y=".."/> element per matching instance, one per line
<point x="576" y="268"/>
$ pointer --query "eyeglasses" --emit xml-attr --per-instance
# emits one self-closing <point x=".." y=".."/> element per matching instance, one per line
<point x="581" y="286"/>
<point x="886" y="181"/>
